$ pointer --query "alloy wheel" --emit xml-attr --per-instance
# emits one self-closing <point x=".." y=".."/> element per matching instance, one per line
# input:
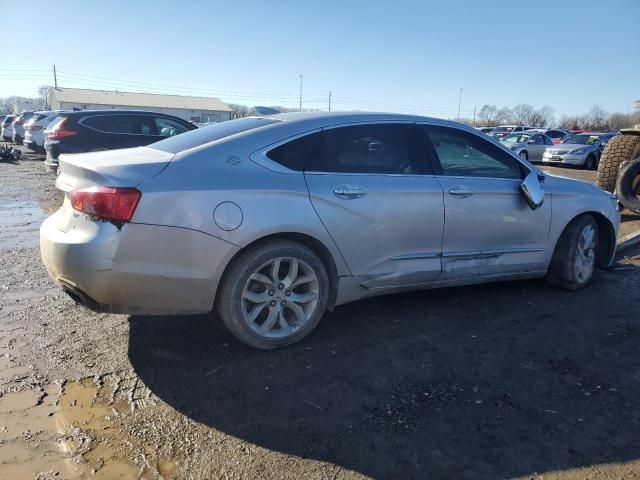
<point x="280" y="297"/>
<point x="585" y="258"/>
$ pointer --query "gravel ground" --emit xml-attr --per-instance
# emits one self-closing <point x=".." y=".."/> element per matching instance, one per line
<point x="506" y="380"/>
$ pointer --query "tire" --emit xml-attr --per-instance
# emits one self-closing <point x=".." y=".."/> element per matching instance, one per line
<point x="628" y="185"/>
<point x="591" y="162"/>
<point x="574" y="258"/>
<point x="619" y="149"/>
<point x="261" y="312"/>
<point x="524" y="154"/>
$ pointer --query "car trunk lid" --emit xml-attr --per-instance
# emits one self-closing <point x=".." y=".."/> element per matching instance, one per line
<point x="126" y="167"/>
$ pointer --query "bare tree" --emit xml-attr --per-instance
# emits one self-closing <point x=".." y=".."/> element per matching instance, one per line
<point x="488" y="115"/>
<point x="597" y="119"/>
<point x="240" y="111"/>
<point x="505" y="115"/>
<point x="543" y="117"/>
<point x="522" y="114"/>
<point x="43" y="94"/>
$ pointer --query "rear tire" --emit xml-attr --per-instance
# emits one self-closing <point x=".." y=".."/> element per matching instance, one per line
<point x="574" y="258"/>
<point x="619" y="149"/>
<point x="628" y="185"/>
<point x="268" y="303"/>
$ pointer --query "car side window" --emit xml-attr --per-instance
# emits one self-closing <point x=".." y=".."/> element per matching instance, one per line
<point x="537" y="140"/>
<point x="127" y="124"/>
<point x="168" y="128"/>
<point x="463" y="154"/>
<point x="547" y="141"/>
<point x="294" y="154"/>
<point x="371" y="148"/>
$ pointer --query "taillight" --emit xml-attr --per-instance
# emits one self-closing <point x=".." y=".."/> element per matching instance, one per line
<point x="109" y="203"/>
<point x="17" y="122"/>
<point x="59" y="132"/>
<point x="35" y="128"/>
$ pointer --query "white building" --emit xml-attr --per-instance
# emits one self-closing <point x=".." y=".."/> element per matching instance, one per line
<point x="197" y="109"/>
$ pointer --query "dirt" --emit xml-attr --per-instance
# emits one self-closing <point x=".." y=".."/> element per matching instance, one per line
<point x="505" y="380"/>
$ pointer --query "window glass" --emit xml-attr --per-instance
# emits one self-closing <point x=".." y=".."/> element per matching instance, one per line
<point x="547" y="140"/>
<point x="208" y="134"/>
<point x="538" y="140"/>
<point x="124" y="124"/>
<point x="294" y="154"/>
<point x="463" y="154"/>
<point x="168" y="128"/>
<point x="371" y="148"/>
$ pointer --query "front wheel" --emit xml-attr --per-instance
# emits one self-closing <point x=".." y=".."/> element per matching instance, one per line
<point x="574" y="259"/>
<point x="591" y="162"/>
<point x="524" y="155"/>
<point x="274" y="294"/>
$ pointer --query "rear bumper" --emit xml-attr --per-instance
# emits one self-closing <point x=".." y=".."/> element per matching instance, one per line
<point x="133" y="268"/>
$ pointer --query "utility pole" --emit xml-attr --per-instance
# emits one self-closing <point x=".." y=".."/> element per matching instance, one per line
<point x="329" y="100"/>
<point x="459" y="103"/>
<point x="55" y="77"/>
<point x="300" y="92"/>
<point x="474" y="115"/>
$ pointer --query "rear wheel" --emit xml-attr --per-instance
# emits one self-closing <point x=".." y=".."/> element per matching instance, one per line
<point x="273" y="294"/>
<point x="628" y="185"/>
<point x="619" y="149"/>
<point x="574" y="259"/>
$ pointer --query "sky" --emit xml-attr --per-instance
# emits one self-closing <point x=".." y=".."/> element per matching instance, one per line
<point x="403" y="56"/>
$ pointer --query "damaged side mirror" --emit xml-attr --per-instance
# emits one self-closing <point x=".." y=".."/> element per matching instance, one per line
<point x="532" y="190"/>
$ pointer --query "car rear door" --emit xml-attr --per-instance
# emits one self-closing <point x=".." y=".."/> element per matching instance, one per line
<point x="376" y="194"/>
<point x="536" y="147"/>
<point x="490" y="230"/>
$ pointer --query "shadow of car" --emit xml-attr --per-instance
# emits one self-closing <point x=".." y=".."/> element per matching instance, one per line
<point x="471" y="382"/>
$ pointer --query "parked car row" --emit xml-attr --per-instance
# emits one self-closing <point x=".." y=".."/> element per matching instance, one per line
<point x="59" y="132"/>
<point x="582" y="149"/>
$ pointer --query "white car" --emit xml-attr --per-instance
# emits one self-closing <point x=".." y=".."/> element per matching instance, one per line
<point x="34" y="128"/>
<point x="7" y="128"/>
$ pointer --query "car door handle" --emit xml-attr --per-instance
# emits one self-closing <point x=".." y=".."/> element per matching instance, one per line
<point x="461" y="191"/>
<point x="348" y="192"/>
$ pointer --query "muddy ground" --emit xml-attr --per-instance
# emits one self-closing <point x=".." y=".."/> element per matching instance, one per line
<point x="495" y="381"/>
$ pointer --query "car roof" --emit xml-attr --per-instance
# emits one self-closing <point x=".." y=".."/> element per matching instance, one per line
<point x="323" y="119"/>
<point x="70" y="113"/>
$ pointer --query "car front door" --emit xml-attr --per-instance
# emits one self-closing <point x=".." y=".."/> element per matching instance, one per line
<point x="490" y="230"/>
<point x="375" y="192"/>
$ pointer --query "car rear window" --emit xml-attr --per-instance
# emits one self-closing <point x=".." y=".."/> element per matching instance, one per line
<point x="201" y="136"/>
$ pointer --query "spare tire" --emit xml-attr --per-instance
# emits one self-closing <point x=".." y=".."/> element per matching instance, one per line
<point x="628" y="185"/>
<point x="620" y="148"/>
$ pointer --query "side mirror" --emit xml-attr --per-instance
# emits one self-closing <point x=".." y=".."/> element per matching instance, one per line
<point x="532" y="190"/>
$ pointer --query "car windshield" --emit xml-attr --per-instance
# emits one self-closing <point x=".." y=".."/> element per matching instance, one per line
<point x="502" y="129"/>
<point x="200" y="136"/>
<point x="517" y="138"/>
<point x="584" y="139"/>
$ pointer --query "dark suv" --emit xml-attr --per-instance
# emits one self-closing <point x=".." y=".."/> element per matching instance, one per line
<point x="95" y="130"/>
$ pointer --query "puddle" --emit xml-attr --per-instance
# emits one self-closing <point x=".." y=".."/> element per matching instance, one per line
<point x="20" y="223"/>
<point x="70" y="432"/>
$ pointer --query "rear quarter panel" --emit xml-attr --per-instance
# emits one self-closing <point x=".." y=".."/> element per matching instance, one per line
<point x="197" y="181"/>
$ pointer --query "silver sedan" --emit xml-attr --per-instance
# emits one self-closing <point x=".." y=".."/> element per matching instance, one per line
<point x="270" y="221"/>
<point x="528" y="145"/>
